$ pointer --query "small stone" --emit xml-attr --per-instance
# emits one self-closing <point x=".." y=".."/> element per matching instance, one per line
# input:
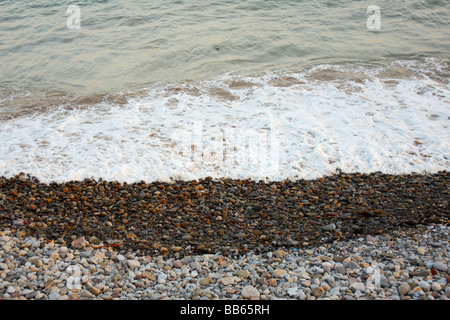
<point x="420" y="273"/>
<point x="39" y="295"/>
<point x="301" y="295"/>
<point x="3" y="266"/>
<point x="177" y="264"/>
<point x="339" y="267"/>
<point x="316" y="270"/>
<point x="279" y="273"/>
<point x="404" y="288"/>
<point x="79" y="243"/>
<point x="417" y="289"/>
<point x="133" y="264"/>
<point x="163" y="250"/>
<point x="306" y="283"/>
<point x="11" y="289"/>
<point x="148" y="275"/>
<point x="352" y="265"/>
<point x="435" y="286"/>
<point x="35" y="261"/>
<point x="115" y="277"/>
<point x="412" y="285"/>
<point x="424" y="285"/>
<point x="364" y="265"/>
<point x="384" y="282"/>
<point x="187" y="237"/>
<point x="175" y="248"/>
<point x="54" y="255"/>
<point x="279" y="254"/>
<point x="292" y="292"/>
<point x="162" y="278"/>
<point x="226" y="281"/>
<point x="325" y="286"/>
<point x="100" y="256"/>
<point x="93" y="290"/>
<point x="54" y="295"/>
<point x="250" y="292"/>
<point x="119" y="258"/>
<point x="325" y="258"/>
<point x="347" y="260"/>
<point x="17" y="295"/>
<point x="205" y="281"/>
<point x="388" y="255"/>
<point x="230" y="290"/>
<point x="329" y="227"/>
<point x="440" y="266"/>
<point x="243" y="274"/>
<point x="326" y="266"/>
<point x="317" y="292"/>
<point x="357" y="286"/>
<point x="421" y="250"/>
<point x="435" y="295"/>
<point x="371" y="239"/>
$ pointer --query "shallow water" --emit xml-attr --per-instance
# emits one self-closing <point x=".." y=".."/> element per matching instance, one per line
<point x="156" y="90"/>
<point x="128" y="45"/>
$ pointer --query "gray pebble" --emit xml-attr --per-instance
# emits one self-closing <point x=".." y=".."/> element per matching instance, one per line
<point x="440" y="266"/>
<point x="389" y="271"/>
<point x="339" y="267"/>
<point x="329" y="227"/>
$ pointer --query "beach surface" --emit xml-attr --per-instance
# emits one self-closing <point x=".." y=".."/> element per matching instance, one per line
<point x="227" y="239"/>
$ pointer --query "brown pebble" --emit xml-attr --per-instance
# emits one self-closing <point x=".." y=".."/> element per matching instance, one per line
<point x="185" y="214"/>
<point x="317" y="292"/>
<point x="149" y="275"/>
<point x="79" y="243"/>
<point x="175" y="248"/>
<point x="93" y="290"/>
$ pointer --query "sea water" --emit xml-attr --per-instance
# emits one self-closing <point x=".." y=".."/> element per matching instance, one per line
<point x="272" y="90"/>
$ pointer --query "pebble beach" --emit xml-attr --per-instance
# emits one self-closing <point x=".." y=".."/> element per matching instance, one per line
<point x="252" y="152"/>
<point x="344" y="237"/>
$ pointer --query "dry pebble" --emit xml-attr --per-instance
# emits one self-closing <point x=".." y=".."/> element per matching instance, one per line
<point x="386" y="269"/>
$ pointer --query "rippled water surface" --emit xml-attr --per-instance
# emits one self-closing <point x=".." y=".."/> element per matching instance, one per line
<point x="161" y="90"/>
<point x="127" y="45"/>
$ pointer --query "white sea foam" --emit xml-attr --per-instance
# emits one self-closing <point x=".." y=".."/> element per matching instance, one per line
<point x="275" y="126"/>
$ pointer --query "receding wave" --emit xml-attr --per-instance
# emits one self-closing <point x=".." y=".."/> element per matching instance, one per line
<point x="285" y="124"/>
